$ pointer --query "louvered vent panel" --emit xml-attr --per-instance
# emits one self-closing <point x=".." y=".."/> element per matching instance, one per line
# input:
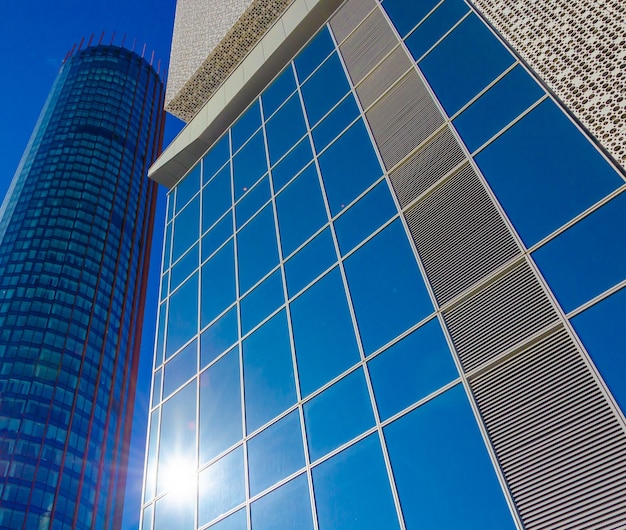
<point x="403" y="118"/>
<point x="432" y="162"/>
<point x="459" y="234"/>
<point x="383" y="76"/>
<point x="367" y="46"/>
<point x="499" y="316"/>
<point x="561" y="448"/>
<point x="349" y="16"/>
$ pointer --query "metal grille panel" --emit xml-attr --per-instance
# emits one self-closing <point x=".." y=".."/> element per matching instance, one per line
<point x="561" y="447"/>
<point x="499" y="316"/>
<point x="382" y="77"/>
<point x="403" y="118"/>
<point x="432" y="162"/>
<point x="349" y="16"/>
<point x="459" y="234"/>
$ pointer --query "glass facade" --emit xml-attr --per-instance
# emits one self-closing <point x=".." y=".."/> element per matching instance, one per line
<point x="368" y="259"/>
<point x="75" y="232"/>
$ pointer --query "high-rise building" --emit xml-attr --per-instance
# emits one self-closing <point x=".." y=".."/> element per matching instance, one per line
<point x="394" y="273"/>
<point x="75" y="235"/>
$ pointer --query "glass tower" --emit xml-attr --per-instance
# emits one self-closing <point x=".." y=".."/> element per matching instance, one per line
<point x="392" y="293"/>
<point x="75" y="233"/>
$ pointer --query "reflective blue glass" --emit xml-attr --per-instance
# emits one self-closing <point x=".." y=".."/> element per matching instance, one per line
<point x="218" y="284"/>
<point x="301" y="211"/>
<point x="185" y="266"/>
<point x="167" y="249"/>
<point x="310" y="261"/>
<point x="253" y="201"/>
<point x="147" y="518"/>
<point x="435" y="27"/>
<point x="433" y="464"/>
<point x="187" y="187"/>
<point x="504" y="101"/>
<point x="180" y="368"/>
<point x="275" y="453"/>
<point x="160" y="339"/>
<point x="182" y="322"/>
<point x="348" y="167"/>
<point x="268" y="372"/>
<point x="213" y="239"/>
<point x="405" y="15"/>
<point x="328" y="129"/>
<point x="323" y="333"/>
<point x="220" y="407"/>
<point x="278" y="91"/>
<point x="285" y="128"/>
<point x="260" y="302"/>
<point x="174" y="511"/>
<point x="156" y="389"/>
<point x="218" y="337"/>
<point x="257" y="249"/>
<point x="338" y="414"/>
<point x="289" y="166"/>
<point x="324" y="89"/>
<point x="588" y="258"/>
<point x="236" y="521"/>
<point x="602" y="331"/>
<point x="164" y="286"/>
<point x="464" y="63"/>
<point x="221" y="486"/>
<point x="313" y="54"/>
<point x="549" y="183"/>
<point x="171" y="199"/>
<point x="216" y="198"/>
<point x="285" y="508"/>
<point x="387" y="289"/>
<point x="352" y="489"/>
<point x="364" y="217"/>
<point x="243" y="128"/>
<point x="215" y="158"/>
<point x="411" y="369"/>
<point x="186" y="228"/>
<point x="249" y="165"/>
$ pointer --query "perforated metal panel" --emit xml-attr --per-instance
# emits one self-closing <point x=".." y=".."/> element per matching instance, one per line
<point x="367" y="46"/>
<point x="561" y="447"/>
<point x="403" y="118"/>
<point x="459" y="234"/>
<point x="432" y="162"/>
<point x="499" y="316"/>
<point x="349" y="16"/>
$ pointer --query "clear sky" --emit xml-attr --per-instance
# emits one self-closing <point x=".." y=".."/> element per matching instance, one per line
<point x="35" y="36"/>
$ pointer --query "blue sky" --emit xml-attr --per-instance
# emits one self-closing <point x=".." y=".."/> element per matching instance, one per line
<point x="35" y="36"/>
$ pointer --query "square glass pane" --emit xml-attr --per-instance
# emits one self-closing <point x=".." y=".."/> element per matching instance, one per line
<point x="275" y="453"/>
<point x="218" y="337"/>
<point x="260" y="302"/>
<point x="215" y="158"/>
<point x="387" y="288"/>
<point x="324" y="89"/>
<point x="278" y="91"/>
<point x="268" y="367"/>
<point x="182" y="321"/>
<point x="221" y="486"/>
<point x="215" y="237"/>
<point x="464" y="63"/>
<point x="301" y="211"/>
<point x="497" y="107"/>
<point x="285" y="508"/>
<point x="352" y="490"/>
<point x="432" y="464"/>
<point x="252" y="202"/>
<point x="187" y="187"/>
<point x="405" y="15"/>
<point x="285" y="128"/>
<point x="220" y="406"/>
<point x="257" y="249"/>
<point x="411" y="369"/>
<point x="338" y="414"/>
<point x="556" y="174"/>
<point x="364" y="217"/>
<point x="249" y="165"/>
<point x="310" y="261"/>
<point x="243" y="128"/>
<point x="292" y="164"/>
<point x="218" y="284"/>
<point x="216" y="198"/>
<point x="323" y="333"/>
<point x="348" y="167"/>
<point x="588" y="258"/>
<point x="180" y="368"/>
<point x="314" y="53"/>
<point x="186" y="228"/>
<point x="328" y="129"/>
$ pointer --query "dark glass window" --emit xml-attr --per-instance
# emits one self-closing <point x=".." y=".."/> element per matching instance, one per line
<point x="313" y="54"/>
<point x="216" y="198"/>
<point x="249" y="165"/>
<point x="405" y="15"/>
<point x="285" y="128"/>
<point x="278" y="91"/>
<point x="186" y="228"/>
<point x="285" y="508"/>
<point x="252" y="202"/>
<point x="218" y="283"/>
<point x="289" y="166"/>
<point x="243" y="128"/>
<point x="328" y="129"/>
<point x="187" y="187"/>
<point x="215" y="158"/>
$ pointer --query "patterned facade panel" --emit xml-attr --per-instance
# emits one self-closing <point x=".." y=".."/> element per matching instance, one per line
<point x="349" y="16"/>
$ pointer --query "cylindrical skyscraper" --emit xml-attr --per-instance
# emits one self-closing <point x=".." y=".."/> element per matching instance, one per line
<point x="75" y="233"/>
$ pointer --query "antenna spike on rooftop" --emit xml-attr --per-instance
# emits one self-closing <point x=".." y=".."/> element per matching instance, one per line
<point x="123" y="40"/>
<point x="80" y="45"/>
<point x="72" y="50"/>
<point x="112" y="38"/>
<point x="152" y="58"/>
<point x="159" y="66"/>
<point x="143" y="52"/>
<point x="90" y="39"/>
<point x="101" y="37"/>
<point x="134" y="42"/>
